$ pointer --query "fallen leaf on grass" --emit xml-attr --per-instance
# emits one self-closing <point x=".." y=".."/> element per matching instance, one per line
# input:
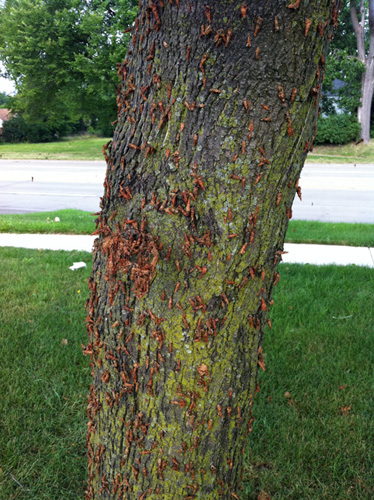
<point x="343" y="387"/>
<point x="345" y="410"/>
<point x="287" y="395"/>
<point x="64" y="342"/>
<point x="264" y="496"/>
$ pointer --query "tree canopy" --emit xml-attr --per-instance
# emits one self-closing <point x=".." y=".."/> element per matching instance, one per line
<point x="62" y="56"/>
<point x="343" y="64"/>
<point x="5" y="100"/>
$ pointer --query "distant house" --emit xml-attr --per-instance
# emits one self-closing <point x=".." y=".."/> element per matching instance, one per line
<point x="4" y="117"/>
<point x="334" y="95"/>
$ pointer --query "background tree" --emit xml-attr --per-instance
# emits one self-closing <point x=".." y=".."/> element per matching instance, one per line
<point x="5" y="100"/>
<point x="366" y="57"/>
<point x="350" y="60"/>
<point x="214" y="127"/>
<point x="342" y="86"/>
<point x="61" y="55"/>
<point x="103" y="24"/>
<point x="342" y="64"/>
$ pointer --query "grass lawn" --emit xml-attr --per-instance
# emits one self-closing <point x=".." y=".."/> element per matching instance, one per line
<point x="330" y="233"/>
<point x="348" y="153"/>
<point x="71" y="222"/>
<point x="73" y="148"/>
<point x="89" y="148"/>
<point x="316" y="443"/>
<point x="80" y="222"/>
<point x="313" y="437"/>
<point x="43" y="375"/>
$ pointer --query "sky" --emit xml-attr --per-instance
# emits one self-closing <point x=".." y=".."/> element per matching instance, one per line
<point x="6" y="85"/>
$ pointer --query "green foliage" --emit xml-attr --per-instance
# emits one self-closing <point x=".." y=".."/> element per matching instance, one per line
<point x="62" y="55"/>
<point x="337" y="129"/>
<point x="344" y="36"/>
<point x="342" y="64"/>
<point x="17" y="129"/>
<point x="348" y="69"/>
<point x="5" y="100"/>
<point x="103" y="24"/>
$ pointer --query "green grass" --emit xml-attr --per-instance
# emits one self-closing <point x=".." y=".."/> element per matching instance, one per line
<point x="71" y="222"/>
<point x="89" y="148"/>
<point x="300" y="449"/>
<point x="80" y="222"/>
<point x="73" y="148"/>
<point x="43" y="380"/>
<point x="348" y="153"/>
<point x="330" y="233"/>
<point x="321" y="351"/>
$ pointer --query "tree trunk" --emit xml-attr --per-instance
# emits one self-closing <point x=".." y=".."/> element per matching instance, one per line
<point x="364" y="111"/>
<point x="217" y="111"/>
<point x="367" y="78"/>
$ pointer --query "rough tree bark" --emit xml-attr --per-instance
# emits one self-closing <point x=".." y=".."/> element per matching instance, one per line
<point x="367" y="79"/>
<point x="217" y="111"/>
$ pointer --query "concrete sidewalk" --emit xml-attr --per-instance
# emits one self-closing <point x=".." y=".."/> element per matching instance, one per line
<point x="48" y="241"/>
<point x="297" y="253"/>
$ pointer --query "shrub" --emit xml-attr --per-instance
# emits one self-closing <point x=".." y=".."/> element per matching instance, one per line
<point x="17" y="129"/>
<point x="337" y="129"/>
<point x="14" y="130"/>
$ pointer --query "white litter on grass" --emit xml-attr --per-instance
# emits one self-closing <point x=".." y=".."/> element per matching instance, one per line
<point x="77" y="265"/>
<point x="57" y="219"/>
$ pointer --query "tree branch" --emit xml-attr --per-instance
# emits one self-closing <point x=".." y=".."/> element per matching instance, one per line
<point x="371" y="29"/>
<point x="358" y="29"/>
<point x="362" y="14"/>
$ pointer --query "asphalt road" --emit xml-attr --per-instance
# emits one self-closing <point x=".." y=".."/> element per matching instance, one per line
<point x="336" y="193"/>
<point x="41" y="186"/>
